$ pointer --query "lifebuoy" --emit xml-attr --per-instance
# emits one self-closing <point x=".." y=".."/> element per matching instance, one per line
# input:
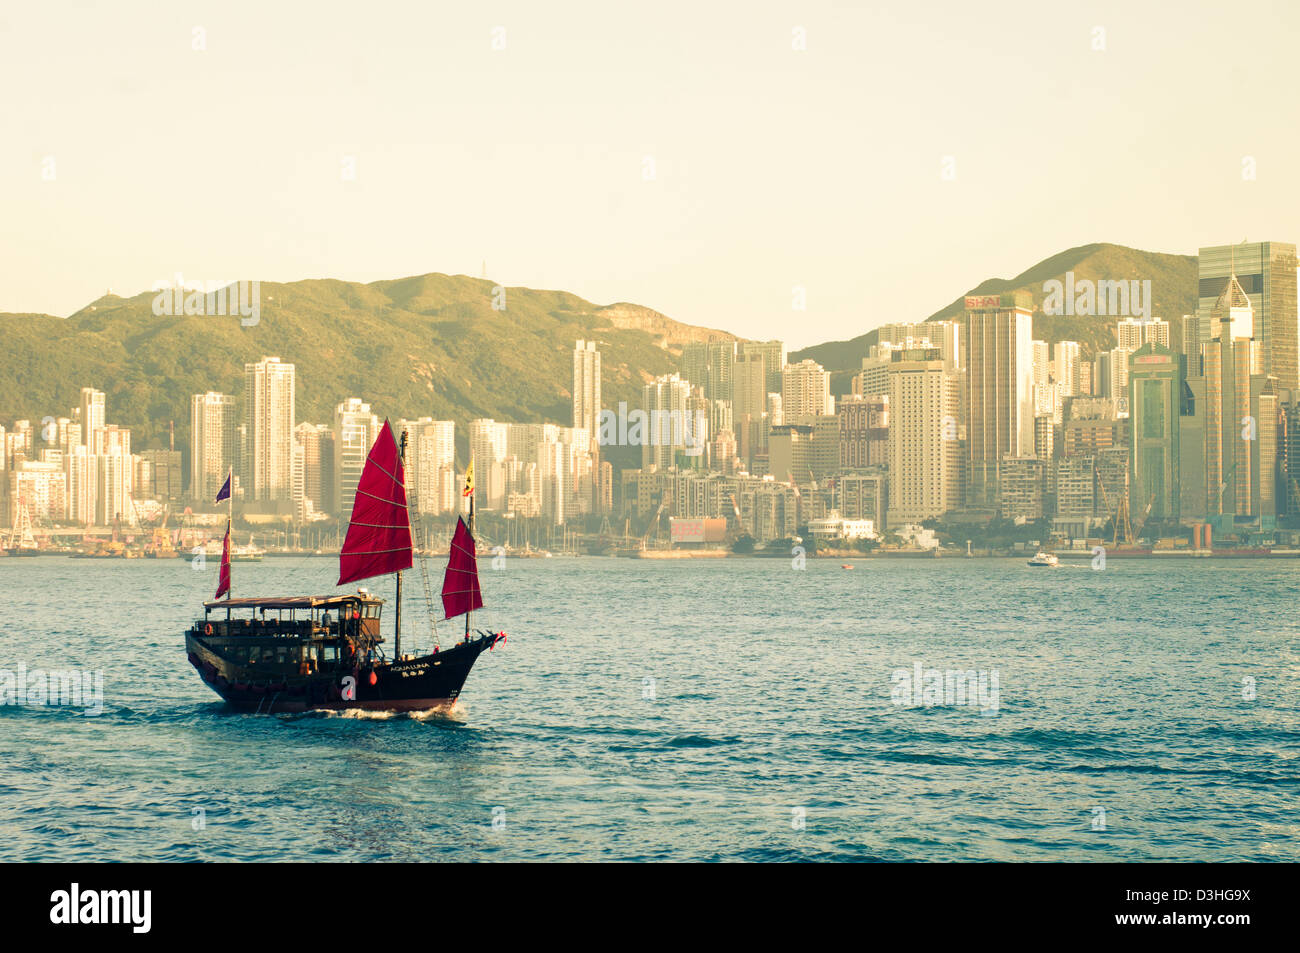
<point x="207" y="629"/>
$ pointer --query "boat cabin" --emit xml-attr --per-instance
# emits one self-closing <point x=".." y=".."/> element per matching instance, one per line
<point x="298" y="635"/>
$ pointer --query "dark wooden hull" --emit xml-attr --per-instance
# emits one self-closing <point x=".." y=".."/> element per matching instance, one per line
<point x="423" y="683"/>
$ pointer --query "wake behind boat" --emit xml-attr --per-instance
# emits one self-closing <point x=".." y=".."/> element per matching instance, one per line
<point x="325" y="652"/>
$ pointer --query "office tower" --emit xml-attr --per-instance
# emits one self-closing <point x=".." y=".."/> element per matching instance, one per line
<point x="212" y="444"/>
<point x="864" y="431"/>
<point x="923" y="439"/>
<point x="773" y="355"/>
<point x="1241" y="419"/>
<point x="805" y="392"/>
<point x="1266" y="276"/>
<point x="999" y="388"/>
<point x="355" y="430"/>
<point x="1191" y="344"/>
<point x="665" y="403"/>
<point x="269" y="420"/>
<point x="1155" y="396"/>
<point x="1085" y="386"/>
<point x="92" y="414"/>
<point x="586" y="387"/>
<point x="749" y="406"/>
<point x="158" y="475"/>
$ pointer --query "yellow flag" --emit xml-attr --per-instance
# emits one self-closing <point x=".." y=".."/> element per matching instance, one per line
<point x="469" y="481"/>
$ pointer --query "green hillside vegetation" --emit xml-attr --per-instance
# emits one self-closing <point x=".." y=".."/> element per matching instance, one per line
<point x="1173" y="289"/>
<point x="430" y="345"/>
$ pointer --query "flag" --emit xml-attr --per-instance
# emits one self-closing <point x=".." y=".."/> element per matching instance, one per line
<point x="469" y="481"/>
<point x="224" y="492"/>
<point x="223" y="584"/>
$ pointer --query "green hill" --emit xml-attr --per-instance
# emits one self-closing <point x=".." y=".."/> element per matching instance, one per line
<point x="427" y="345"/>
<point x="1173" y="289"/>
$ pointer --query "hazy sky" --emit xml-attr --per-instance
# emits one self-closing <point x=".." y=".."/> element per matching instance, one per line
<point x="773" y="167"/>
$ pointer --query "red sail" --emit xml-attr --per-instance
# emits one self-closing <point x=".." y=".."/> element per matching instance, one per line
<point x="460" y="593"/>
<point x="379" y="535"/>
<point x="223" y="582"/>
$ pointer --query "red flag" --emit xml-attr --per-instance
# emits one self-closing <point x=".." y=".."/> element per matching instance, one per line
<point x="223" y="585"/>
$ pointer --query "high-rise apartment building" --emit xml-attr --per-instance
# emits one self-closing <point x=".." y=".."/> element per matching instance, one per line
<point x="805" y="392"/>
<point x="586" y="388"/>
<point x="212" y="444"/>
<point x="269" y="420"/>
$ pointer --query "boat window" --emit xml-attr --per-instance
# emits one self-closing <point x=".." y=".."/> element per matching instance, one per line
<point x="331" y="653"/>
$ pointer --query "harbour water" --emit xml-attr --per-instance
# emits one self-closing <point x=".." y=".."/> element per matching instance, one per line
<point x="726" y="709"/>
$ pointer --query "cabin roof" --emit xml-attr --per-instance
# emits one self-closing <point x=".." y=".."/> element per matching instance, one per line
<point x="290" y="602"/>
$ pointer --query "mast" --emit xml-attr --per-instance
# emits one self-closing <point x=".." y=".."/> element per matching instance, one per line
<point x="468" y="612"/>
<point x="230" y="514"/>
<point x="397" y="618"/>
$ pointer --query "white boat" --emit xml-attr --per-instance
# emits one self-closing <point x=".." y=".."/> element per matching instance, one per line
<point x="1043" y="559"/>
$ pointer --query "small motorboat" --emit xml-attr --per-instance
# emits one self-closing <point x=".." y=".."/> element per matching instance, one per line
<point x="1044" y="559"/>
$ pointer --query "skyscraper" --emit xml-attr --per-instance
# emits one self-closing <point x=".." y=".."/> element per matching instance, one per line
<point x="92" y="415"/>
<point x="431" y="464"/>
<point x="586" y="388"/>
<point x="1066" y="368"/>
<point x="212" y="443"/>
<point x="773" y="354"/>
<point x="488" y="448"/>
<point x="749" y="407"/>
<point x="999" y="388"/>
<point x="666" y="403"/>
<point x="269" y="421"/>
<point x="1241" y="418"/>
<point x="1155" y="381"/>
<point x="923" y="439"/>
<point x="1266" y="275"/>
<point x="805" y="392"/>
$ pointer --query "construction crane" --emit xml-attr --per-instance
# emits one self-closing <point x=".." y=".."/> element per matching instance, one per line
<point x="1146" y="514"/>
<point x="654" y="524"/>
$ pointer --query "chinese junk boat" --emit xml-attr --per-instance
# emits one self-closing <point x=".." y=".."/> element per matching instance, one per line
<point x="325" y="652"/>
